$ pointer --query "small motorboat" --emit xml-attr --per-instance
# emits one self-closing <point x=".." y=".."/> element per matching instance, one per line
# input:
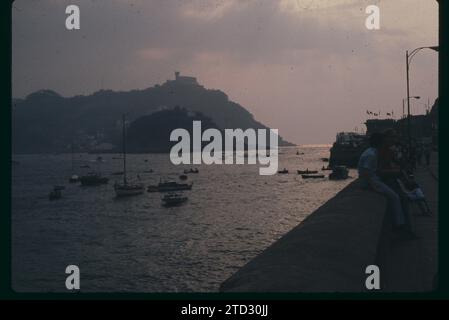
<point x="191" y="170"/>
<point x="93" y="179"/>
<point x="312" y="176"/>
<point x="173" y="199"/>
<point x="307" y="171"/>
<point x="169" y="187"/>
<point x="284" y="171"/>
<point x="183" y="177"/>
<point x="339" y="173"/>
<point x="74" y="179"/>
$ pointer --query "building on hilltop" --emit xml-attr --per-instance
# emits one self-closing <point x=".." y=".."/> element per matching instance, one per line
<point x="184" y="80"/>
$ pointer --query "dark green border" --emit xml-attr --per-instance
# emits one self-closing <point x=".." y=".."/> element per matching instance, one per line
<point x="5" y="213"/>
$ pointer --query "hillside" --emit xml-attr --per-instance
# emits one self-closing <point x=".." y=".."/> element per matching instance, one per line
<point x="46" y="122"/>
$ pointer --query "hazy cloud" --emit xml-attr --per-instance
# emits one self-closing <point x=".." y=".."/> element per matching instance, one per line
<point x="309" y="68"/>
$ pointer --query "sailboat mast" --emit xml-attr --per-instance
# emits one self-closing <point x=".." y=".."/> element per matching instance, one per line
<point x="71" y="149"/>
<point x="124" y="150"/>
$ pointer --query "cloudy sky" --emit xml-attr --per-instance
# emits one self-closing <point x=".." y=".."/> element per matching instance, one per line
<point x="309" y="68"/>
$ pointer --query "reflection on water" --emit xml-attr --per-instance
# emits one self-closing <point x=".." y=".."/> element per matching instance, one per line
<point x="135" y="244"/>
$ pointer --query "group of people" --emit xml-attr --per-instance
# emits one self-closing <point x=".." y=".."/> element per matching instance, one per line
<point x="385" y="168"/>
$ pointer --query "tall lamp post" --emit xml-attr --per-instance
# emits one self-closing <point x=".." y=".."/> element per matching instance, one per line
<point x="408" y="60"/>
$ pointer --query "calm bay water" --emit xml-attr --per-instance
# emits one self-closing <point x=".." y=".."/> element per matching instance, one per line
<point x="135" y="244"/>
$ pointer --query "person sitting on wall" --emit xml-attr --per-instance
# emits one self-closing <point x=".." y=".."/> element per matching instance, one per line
<point x="390" y="168"/>
<point x="368" y="173"/>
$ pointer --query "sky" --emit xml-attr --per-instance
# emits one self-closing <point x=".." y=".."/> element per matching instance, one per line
<point x="308" y="68"/>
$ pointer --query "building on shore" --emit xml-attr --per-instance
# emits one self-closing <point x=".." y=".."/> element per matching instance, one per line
<point x="348" y="146"/>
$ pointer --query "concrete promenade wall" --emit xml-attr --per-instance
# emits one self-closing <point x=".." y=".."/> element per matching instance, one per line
<point x="327" y="252"/>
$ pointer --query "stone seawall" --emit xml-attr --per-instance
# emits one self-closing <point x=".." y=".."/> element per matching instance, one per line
<point x="327" y="252"/>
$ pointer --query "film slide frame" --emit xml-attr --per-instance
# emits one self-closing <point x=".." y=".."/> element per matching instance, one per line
<point x="7" y="293"/>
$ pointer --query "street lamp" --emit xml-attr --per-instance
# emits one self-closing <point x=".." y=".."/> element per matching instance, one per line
<point x="408" y="60"/>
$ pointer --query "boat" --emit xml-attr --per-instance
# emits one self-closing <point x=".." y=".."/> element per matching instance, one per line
<point x="93" y="179"/>
<point x="117" y="173"/>
<point x="183" y="177"/>
<point x="126" y="189"/>
<point x="284" y="171"/>
<point x="74" y="178"/>
<point x="55" y="194"/>
<point x="149" y="171"/>
<point x="194" y="170"/>
<point x="173" y="199"/>
<point x="312" y="176"/>
<point x="326" y="168"/>
<point x="339" y="173"/>
<point x="169" y="186"/>
<point x="348" y="147"/>
<point x="85" y="166"/>
<point x="307" y="171"/>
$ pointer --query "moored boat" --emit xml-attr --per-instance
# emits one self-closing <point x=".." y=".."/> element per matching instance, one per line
<point x="126" y="189"/>
<point x="173" y="199"/>
<point x="312" y="176"/>
<point x="307" y="171"/>
<point x="55" y="194"/>
<point x="93" y="179"/>
<point x="74" y="179"/>
<point x="169" y="186"/>
<point x="339" y="173"/>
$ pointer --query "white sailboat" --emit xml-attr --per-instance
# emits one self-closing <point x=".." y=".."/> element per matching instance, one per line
<point x="126" y="188"/>
<point x="74" y="178"/>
